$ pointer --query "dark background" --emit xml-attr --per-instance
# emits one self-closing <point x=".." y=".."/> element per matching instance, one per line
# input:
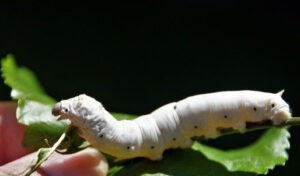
<point x="137" y="57"/>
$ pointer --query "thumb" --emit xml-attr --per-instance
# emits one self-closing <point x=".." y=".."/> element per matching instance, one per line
<point x="11" y="134"/>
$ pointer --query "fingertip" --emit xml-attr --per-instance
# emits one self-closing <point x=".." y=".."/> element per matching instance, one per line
<point x="86" y="162"/>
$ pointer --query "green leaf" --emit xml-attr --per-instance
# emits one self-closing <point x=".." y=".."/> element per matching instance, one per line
<point x="34" y="105"/>
<point x="177" y="163"/>
<point x="41" y="124"/>
<point x="122" y="116"/>
<point x="23" y="82"/>
<point x="29" y="112"/>
<point x="43" y="154"/>
<point x="264" y="154"/>
<point x="37" y="133"/>
<point x="258" y="158"/>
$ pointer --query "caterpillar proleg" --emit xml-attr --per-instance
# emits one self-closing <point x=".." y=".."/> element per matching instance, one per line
<point x="172" y="125"/>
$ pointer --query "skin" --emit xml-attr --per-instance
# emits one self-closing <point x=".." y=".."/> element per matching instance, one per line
<point x="15" y="159"/>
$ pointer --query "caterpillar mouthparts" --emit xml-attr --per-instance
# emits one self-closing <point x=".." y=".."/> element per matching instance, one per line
<point x="56" y="109"/>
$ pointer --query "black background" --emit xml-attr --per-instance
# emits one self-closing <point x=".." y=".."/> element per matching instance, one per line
<point x="137" y="57"/>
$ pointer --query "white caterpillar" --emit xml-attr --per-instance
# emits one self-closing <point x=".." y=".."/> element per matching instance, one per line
<point x="172" y="125"/>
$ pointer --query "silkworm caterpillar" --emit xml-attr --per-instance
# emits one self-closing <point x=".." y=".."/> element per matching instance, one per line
<point x="172" y="125"/>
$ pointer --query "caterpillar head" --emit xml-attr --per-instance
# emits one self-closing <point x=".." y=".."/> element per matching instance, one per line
<point x="79" y="109"/>
<point x="278" y="109"/>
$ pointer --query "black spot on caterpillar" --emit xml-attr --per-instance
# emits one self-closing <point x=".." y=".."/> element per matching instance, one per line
<point x="173" y="125"/>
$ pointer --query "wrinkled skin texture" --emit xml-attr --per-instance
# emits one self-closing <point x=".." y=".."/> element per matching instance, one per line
<point x="14" y="159"/>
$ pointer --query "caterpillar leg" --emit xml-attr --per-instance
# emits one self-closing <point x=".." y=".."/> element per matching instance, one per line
<point x="240" y="126"/>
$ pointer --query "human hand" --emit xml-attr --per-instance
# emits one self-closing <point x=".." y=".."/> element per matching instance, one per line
<point x="15" y="159"/>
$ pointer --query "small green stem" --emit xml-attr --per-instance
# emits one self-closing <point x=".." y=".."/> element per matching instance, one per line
<point x="292" y="122"/>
